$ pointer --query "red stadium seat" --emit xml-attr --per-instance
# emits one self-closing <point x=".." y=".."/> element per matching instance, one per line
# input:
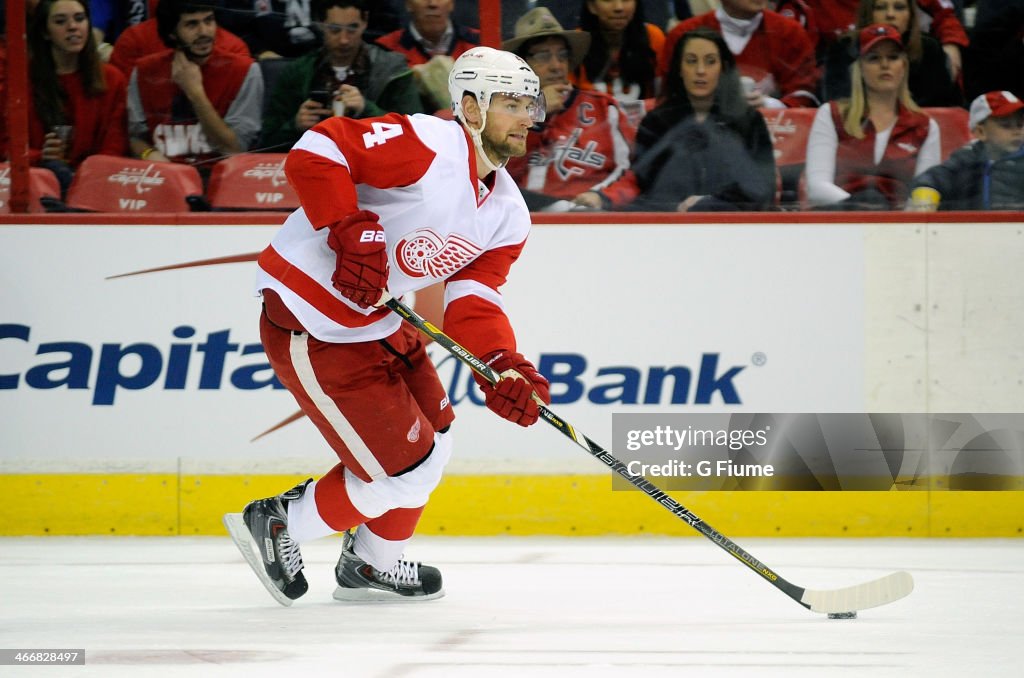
<point x="41" y="183"/>
<point x="251" y="181"/>
<point x="789" y="128"/>
<point x="953" y="127"/>
<point x="107" y="183"/>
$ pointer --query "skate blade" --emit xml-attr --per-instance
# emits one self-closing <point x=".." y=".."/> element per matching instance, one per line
<point x="243" y="540"/>
<point x="365" y="595"/>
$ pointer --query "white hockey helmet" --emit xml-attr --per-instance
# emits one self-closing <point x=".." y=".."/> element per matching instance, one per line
<point x="485" y="71"/>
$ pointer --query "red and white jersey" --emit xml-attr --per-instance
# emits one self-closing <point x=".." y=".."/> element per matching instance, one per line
<point x="418" y="174"/>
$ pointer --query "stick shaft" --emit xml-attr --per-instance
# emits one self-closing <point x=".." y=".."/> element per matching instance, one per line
<point x="604" y="456"/>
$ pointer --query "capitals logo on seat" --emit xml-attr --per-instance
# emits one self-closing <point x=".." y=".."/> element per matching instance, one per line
<point x="425" y="254"/>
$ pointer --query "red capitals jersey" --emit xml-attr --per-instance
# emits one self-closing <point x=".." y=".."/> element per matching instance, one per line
<point x="585" y="147"/>
<point x="171" y="123"/>
<point x="418" y="174"/>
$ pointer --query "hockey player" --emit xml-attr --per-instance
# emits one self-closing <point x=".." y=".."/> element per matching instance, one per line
<point x="394" y="203"/>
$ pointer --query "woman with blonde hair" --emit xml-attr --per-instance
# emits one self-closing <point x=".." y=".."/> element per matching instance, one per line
<point x="930" y="80"/>
<point x="863" y="152"/>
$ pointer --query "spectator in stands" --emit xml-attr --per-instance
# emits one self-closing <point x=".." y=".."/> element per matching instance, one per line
<point x="575" y="156"/>
<point x="430" y="43"/>
<point x="347" y="76"/>
<point x="623" y="56"/>
<point x="271" y="28"/>
<point x="144" y="38"/>
<point x="704" y="148"/>
<point x="194" y="102"/>
<point x="836" y="18"/>
<point x="987" y="174"/>
<point x="863" y="152"/>
<point x="773" y="53"/>
<point x="430" y="33"/>
<point x="930" y="82"/>
<point x="997" y="49"/>
<point x="77" y="106"/>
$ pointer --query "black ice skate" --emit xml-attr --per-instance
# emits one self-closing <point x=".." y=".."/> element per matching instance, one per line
<point x="406" y="581"/>
<point x="261" y="533"/>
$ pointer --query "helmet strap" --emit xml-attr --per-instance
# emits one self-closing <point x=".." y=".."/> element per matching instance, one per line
<point x="478" y="143"/>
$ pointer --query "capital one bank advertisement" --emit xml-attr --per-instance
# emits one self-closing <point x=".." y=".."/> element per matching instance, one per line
<point x="137" y="346"/>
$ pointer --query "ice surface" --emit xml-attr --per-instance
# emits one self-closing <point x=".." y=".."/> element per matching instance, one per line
<point x="154" y="607"/>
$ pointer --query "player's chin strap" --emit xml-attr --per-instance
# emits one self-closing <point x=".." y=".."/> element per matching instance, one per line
<point x="478" y="141"/>
<point x="844" y="601"/>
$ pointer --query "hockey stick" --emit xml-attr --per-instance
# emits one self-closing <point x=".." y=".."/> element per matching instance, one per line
<point x="840" y="602"/>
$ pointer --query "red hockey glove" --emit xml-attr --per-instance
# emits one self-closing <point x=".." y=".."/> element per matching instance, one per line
<point x="512" y="397"/>
<point x="361" y="271"/>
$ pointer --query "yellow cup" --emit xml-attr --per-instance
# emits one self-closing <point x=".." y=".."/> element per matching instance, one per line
<point x="924" y="199"/>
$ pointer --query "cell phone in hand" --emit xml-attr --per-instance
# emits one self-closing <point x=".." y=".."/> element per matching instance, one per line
<point x="324" y="97"/>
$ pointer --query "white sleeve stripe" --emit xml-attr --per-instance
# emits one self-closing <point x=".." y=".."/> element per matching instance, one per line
<point x="621" y="150"/>
<point x="465" y="288"/>
<point x="329" y="409"/>
<point x="318" y="144"/>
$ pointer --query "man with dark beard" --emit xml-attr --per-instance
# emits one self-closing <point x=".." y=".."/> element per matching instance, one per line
<point x="391" y="205"/>
<point x="193" y="103"/>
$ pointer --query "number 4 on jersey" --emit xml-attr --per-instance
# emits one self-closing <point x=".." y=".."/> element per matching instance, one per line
<point x="382" y="131"/>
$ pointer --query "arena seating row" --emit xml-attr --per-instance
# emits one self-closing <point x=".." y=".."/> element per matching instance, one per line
<point x="256" y="181"/>
<point x="106" y="183"/>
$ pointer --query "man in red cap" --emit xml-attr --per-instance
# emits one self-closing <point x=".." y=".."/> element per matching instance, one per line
<point x="986" y="174"/>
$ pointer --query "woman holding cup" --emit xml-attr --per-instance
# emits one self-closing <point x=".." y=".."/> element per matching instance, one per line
<point x="77" y="108"/>
<point x="863" y="152"/>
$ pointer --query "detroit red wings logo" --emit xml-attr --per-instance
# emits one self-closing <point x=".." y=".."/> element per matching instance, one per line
<point x="424" y="253"/>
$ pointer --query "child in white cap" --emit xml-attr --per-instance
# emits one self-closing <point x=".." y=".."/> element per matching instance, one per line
<point x="987" y="174"/>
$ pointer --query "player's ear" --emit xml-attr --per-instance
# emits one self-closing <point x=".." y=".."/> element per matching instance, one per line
<point x="471" y="109"/>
